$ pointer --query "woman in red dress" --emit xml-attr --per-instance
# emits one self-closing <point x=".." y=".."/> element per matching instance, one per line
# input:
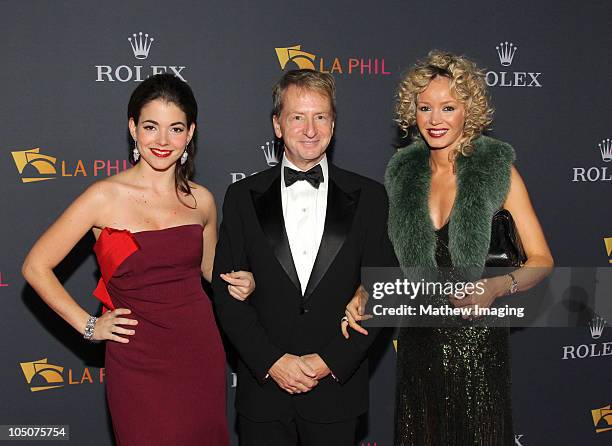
<point x="156" y="233"/>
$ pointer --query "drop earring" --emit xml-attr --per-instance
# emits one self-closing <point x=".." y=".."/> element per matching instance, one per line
<point x="135" y="152"/>
<point x="184" y="157"/>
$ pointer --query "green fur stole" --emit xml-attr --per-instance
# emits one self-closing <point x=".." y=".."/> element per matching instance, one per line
<point x="483" y="181"/>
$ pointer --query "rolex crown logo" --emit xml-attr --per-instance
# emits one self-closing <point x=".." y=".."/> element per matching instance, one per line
<point x="141" y="45"/>
<point x="597" y="326"/>
<point x="605" y="147"/>
<point x="295" y="54"/>
<point x="506" y="51"/>
<point x="271" y="152"/>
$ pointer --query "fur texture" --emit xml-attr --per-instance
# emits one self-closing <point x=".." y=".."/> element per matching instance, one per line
<point x="483" y="181"/>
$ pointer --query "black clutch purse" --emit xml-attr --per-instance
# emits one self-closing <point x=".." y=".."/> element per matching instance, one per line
<point x="506" y="249"/>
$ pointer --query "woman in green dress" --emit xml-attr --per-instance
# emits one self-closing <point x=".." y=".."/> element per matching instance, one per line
<point x="453" y="383"/>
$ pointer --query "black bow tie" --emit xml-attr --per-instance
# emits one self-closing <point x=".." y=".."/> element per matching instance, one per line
<point x="314" y="176"/>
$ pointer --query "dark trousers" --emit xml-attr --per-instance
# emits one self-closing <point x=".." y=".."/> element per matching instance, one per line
<point x="295" y="431"/>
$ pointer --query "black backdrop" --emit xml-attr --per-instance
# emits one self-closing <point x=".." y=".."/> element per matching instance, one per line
<point x="67" y="72"/>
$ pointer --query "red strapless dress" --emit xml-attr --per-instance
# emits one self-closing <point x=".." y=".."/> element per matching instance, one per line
<point x="167" y="386"/>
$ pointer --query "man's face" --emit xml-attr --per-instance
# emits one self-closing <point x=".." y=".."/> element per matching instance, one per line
<point x="306" y="125"/>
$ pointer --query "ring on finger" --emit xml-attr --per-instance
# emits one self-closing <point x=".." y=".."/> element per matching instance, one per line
<point x="344" y="319"/>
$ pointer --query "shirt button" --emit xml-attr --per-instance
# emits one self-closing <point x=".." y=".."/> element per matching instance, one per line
<point x="305" y="252"/>
<point x="303" y="209"/>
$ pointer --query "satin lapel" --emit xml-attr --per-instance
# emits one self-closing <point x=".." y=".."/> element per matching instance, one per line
<point x="341" y="207"/>
<point x="269" y="209"/>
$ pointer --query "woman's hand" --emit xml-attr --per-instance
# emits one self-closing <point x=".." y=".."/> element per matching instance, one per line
<point x="483" y="296"/>
<point x="109" y="326"/>
<point x="241" y="284"/>
<point x="354" y="313"/>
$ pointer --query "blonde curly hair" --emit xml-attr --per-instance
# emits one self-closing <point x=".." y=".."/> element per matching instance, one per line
<point x="467" y="84"/>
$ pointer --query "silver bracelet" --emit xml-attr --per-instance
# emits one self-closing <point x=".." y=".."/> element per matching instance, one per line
<point x="89" y="327"/>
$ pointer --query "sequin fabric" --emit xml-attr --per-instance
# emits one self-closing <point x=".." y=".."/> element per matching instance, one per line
<point x="453" y="383"/>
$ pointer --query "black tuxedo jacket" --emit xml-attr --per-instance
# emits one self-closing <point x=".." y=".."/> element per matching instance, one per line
<point x="276" y="319"/>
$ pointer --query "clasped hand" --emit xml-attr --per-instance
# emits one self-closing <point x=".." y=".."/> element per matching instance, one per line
<point x="298" y="374"/>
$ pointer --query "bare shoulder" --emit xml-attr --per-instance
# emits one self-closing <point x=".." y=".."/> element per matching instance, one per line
<point x="106" y="193"/>
<point x="96" y="202"/>
<point x="110" y="188"/>
<point x="100" y="192"/>
<point x="516" y="181"/>
<point x="205" y="201"/>
<point x="518" y="196"/>
<point x="204" y="197"/>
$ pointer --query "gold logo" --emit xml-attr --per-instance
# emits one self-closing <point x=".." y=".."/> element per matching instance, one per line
<point x="608" y="243"/>
<point x="602" y="418"/>
<point x="49" y="373"/>
<point x="295" y="54"/>
<point x="34" y="166"/>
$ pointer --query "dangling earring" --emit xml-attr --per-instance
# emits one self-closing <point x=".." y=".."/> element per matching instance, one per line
<point x="184" y="157"/>
<point x="135" y="152"/>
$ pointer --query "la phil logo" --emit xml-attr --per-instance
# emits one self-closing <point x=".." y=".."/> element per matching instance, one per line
<point x="591" y="350"/>
<point x="350" y="65"/>
<point x="140" y="44"/>
<point x="506" y="53"/>
<point x="272" y="151"/>
<point x="608" y="244"/>
<point x="602" y="418"/>
<point x="34" y="166"/>
<point x="596" y="173"/>
<point x="41" y="375"/>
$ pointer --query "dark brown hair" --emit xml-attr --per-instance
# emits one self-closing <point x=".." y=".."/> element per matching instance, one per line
<point x="169" y="88"/>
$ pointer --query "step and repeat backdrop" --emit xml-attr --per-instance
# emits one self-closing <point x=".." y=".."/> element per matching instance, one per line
<point x="69" y="67"/>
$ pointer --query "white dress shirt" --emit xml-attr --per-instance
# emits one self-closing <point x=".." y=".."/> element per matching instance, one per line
<point x="304" y="209"/>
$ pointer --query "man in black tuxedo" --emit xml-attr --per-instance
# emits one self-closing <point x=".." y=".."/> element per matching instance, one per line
<point x="304" y="228"/>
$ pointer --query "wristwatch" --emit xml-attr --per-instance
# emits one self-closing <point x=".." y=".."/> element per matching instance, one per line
<point x="513" y="284"/>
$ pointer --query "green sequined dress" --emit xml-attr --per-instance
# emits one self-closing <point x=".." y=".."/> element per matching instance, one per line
<point x="453" y="384"/>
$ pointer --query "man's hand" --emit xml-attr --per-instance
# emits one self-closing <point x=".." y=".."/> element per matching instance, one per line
<point x="292" y="374"/>
<point x="317" y="364"/>
<point x="354" y="313"/>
